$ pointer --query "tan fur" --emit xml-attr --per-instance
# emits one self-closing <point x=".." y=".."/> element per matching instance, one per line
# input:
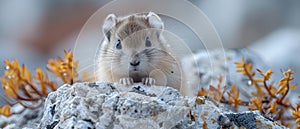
<point x="157" y="61"/>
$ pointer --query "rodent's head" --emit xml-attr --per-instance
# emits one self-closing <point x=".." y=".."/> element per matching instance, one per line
<point x="134" y="43"/>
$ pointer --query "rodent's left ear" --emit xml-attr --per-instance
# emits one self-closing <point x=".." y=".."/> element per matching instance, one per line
<point x="155" y="20"/>
<point x="109" y="23"/>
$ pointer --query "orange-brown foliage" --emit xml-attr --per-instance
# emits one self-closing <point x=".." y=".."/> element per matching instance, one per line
<point x="20" y="85"/>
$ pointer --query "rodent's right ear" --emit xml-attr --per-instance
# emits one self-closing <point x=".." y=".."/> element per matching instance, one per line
<point x="155" y="20"/>
<point x="109" y="22"/>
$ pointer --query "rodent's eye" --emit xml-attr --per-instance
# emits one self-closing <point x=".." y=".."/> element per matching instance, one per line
<point x="118" y="44"/>
<point x="148" y="42"/>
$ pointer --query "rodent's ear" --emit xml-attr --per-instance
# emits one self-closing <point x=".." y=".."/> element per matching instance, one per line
<point x="109" y="22"/>
<point x="155" y="20"/>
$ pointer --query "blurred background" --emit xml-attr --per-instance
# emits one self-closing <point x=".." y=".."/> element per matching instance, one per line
<point x="33" y="31"/>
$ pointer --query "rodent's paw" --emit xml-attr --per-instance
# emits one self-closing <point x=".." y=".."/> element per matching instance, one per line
<point x="148" y="81"/>
<point x="126" y="81"/>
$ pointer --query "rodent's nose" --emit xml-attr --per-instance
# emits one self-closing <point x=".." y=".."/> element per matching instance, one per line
<point x="135" y="61"/>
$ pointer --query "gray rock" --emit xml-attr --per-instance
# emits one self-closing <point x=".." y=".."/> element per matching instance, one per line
<point x="112" y="106"/>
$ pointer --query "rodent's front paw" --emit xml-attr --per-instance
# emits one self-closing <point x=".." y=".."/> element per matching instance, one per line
<point x="148" y="81"/>
<point x="126" y="81"/>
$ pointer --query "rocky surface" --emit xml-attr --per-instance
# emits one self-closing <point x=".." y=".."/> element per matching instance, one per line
<point x="111" y="106"/>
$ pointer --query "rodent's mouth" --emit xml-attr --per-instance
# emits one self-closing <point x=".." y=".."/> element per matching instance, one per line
<point x="136" y="72"/>
<point x="134" y="69"/>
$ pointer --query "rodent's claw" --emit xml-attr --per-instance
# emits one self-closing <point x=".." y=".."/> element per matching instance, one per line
<point x="148" y="81"/>
<point x="126" y="81"/>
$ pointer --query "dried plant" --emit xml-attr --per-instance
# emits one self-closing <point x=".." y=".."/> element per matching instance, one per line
<point x="233" y="96"/>
<point x="296" y="113"/>
<point x="215" y="93"/>
<point x="65" y="69"/>
<point x="268" y="98"/>
<point x="256" y="104"/>
<point x="5" y="110"/>
<point x="202" y="92"/>
<point x="29" y="91"/>
<point x="205" y="126"/>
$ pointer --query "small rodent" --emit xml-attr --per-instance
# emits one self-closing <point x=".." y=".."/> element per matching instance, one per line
<point x="134" y="50"/>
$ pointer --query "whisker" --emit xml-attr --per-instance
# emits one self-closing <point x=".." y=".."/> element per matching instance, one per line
<point x="86" y="67"/>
